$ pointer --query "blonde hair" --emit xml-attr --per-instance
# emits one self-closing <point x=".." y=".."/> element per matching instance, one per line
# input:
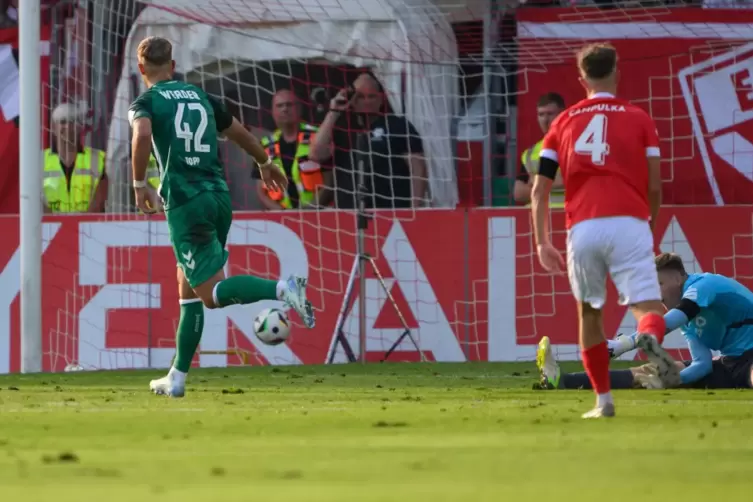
<point x="155" y="51"/>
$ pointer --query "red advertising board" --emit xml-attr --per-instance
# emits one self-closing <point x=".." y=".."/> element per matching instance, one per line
<point x="467" y="281"/>
<point x="691" y="69"/>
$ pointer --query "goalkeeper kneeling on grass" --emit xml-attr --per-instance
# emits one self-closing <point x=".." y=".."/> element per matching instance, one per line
<point x="714" y="312"/>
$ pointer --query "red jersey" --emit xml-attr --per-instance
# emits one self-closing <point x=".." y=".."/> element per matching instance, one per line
<point x="601" y="145"/>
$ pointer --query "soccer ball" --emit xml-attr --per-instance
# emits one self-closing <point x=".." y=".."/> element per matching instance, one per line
<point x="272" y="326"/>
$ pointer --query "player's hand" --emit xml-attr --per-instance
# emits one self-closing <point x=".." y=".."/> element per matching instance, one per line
<point x="273" y="177"/>
<point x="550" y="258"/>
<point x="341" y="102"/>
<point x="142" y="201"/>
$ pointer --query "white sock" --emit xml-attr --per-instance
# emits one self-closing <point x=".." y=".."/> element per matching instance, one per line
<point x="603" y="399"/>
<point x="621" y="345"/>
<point x="281" y="287"/>
<point x="177" y="376"/>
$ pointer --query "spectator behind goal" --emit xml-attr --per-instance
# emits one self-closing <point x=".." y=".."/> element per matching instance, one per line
<point x="357" y="128"/>
<point x="288" y="147"/>
<point x="548" y="107"/>
<point x="75" y="180"/>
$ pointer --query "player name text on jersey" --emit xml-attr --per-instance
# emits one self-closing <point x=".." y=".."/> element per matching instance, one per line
<point x="180" y="94"/>
<point x="601" y="107"/>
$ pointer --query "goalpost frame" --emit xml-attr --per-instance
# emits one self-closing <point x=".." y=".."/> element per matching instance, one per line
<point x="30" y="190"/>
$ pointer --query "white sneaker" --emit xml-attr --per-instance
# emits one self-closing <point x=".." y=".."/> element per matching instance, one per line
<point x="666" y="368"/>
<point x="606" y="411"/>
<point x="168" y="386"/>
<point x="547" y="364"/>
<point x="620" y="345"/>
<point x="294" y="296"/>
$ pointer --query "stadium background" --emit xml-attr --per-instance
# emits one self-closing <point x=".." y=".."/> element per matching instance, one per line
<point x="463" y="272"/>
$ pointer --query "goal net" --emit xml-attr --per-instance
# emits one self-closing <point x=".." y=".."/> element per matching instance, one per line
<point x="123" y="309"/>
<point x="465" y="279"/>
<point x="689" y="69"/>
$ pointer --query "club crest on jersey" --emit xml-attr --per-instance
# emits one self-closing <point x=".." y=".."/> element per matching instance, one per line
<point x="599" y="107"/>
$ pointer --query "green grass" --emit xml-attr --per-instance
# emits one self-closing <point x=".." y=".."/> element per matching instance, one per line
<point x="433" y="432"/>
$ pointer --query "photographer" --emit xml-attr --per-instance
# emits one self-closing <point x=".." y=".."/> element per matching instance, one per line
<point x="357" y="128"/>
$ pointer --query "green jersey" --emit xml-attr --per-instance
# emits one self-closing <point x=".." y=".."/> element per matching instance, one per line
<point x="185" y="123"/>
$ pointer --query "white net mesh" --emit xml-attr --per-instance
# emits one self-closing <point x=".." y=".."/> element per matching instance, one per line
<point x="466" y="280"/>
<point x="689" y="68"/>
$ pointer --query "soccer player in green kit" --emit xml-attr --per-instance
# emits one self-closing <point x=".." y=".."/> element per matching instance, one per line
<point x="181" y="122"/>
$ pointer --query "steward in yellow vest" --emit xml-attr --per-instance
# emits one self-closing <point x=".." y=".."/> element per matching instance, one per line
<point x="529" y="166"/>
<point x="72" y="189"/>
<point x="304" y="174"/>
<point x="152" y="173"/>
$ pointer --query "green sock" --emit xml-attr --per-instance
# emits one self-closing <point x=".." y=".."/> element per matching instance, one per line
<point x="190" y="326"/>
<point x="244" y="289"/>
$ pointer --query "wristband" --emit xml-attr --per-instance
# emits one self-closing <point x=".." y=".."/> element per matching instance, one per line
<point x="139" y="184"/>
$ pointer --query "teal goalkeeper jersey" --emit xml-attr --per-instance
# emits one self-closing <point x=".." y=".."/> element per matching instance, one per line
<point x="185" y="125"/>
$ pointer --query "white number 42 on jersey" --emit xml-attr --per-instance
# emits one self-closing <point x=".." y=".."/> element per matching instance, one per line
<point x="593" y="140"/>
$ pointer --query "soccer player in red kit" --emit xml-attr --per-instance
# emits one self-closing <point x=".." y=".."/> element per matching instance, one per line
<point x="608" y="150"/>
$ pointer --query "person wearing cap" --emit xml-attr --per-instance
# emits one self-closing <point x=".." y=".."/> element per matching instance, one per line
<point x="75" y="180"/>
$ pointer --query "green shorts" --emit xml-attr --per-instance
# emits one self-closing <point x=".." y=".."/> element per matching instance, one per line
<point x="198" y="232"/>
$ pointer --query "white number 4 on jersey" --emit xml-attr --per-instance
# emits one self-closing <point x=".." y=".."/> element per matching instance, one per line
<point x="593" y="140"/>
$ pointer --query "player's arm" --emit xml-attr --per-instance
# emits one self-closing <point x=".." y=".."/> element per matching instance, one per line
<point x="701" y="364"/>
<point x="238" y="134"/>
<point x="140" y="118"/>
<point x="542" y="187"/>
<point x="232" y="129"/>
<point x="141" y="146"/>
<point x="653" y="157"/>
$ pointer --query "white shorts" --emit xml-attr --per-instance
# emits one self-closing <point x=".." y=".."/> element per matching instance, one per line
<point x="621" y="247"/>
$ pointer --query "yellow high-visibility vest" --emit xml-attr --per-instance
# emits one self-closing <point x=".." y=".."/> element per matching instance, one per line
<point x="152" y="173"/>
<point x="530" y="160"/>
<point x="75" y="197"/>
<point x="305" y="173"/>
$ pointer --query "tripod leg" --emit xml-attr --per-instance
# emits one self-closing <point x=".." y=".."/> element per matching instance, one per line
<point x="400" y="315"/>
<point x="338" y="336"/>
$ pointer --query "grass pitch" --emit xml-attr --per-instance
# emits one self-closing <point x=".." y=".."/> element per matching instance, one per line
<point x="383" y="432"/>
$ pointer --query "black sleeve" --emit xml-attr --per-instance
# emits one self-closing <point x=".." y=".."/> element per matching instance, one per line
<point x="222" y="118"/>
<point x="340" y="144"/>
<point x="548" y="168"/>
<point x="523" y="174"/>
<point x="689" y="308"/>
<point x="413" y="140"/>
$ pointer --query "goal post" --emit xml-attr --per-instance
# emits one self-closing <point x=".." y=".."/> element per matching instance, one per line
<point x="30" y="177"/>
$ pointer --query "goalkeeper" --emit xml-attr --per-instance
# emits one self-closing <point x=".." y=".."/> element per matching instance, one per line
<point x="182" y="123"/>
<point x="714" y="313"/>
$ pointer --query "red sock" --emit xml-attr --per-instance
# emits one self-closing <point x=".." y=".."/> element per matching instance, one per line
<point x="596" y="363"/>
<point x="653" y="324"/>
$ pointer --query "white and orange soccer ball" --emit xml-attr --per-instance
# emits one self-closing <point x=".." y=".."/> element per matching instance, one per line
<point x="272" y="326"/>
